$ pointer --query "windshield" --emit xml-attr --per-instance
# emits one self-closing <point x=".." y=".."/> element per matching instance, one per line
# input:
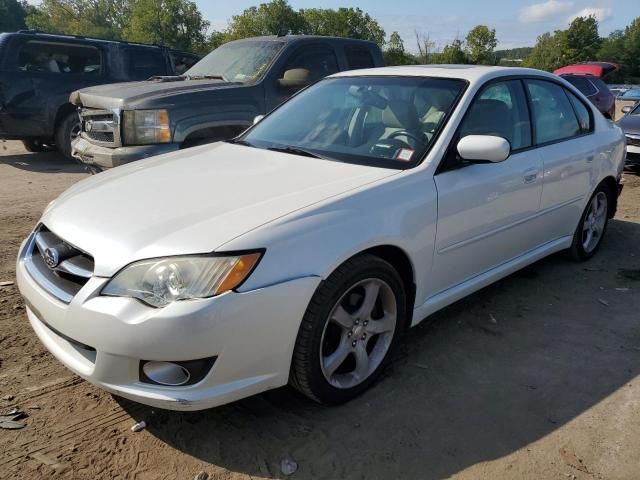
<point x="381" y="121"/>
<point x="243" y="61"/>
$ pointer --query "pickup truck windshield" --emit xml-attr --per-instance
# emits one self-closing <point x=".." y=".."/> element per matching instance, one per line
<point x="379" y="121"/>
<point x="243" y="61"/>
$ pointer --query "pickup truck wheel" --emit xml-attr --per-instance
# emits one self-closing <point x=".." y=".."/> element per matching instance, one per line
<point x="348" y="331"/>
<point x="34" y="145"/>
<point x="67" y="131"/>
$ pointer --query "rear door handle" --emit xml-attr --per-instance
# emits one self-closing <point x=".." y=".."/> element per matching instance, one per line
<point x="530" y="176"/>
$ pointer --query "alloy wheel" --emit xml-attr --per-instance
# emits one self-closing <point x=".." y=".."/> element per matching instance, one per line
<point x="594" y="222"/>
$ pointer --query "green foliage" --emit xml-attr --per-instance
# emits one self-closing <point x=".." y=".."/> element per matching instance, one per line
<point x="175" y="23"/>
<point x="343" y="22"/>
<point x="395" y="53"/>
<point x="481" y="42"/>
<point x="453" y="53"/>
<point x="13" y="14"/>
<point x="97" y="18"/>
<point x="547" y="53"/>
<point x="273" y="18"/>
<point x="581" y="41"/>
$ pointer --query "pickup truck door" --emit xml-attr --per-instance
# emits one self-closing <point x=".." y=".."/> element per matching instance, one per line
<point x="487" y="211"/>
<point x="319" y="59"/>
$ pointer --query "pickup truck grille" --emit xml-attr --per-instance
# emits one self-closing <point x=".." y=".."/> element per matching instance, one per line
<point x="58" y="267"/>
<point x="101" y="126"/>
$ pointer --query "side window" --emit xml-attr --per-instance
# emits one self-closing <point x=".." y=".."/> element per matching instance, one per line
<point x="143" y="63"/>
<point x="583" y="84"/>
<point x="553" y="114"/>
<point x="62" y="58"/>
<point x="500" y="110"/>
<point x="584" y="118"/>
<point x="358" y="57"/>
<point x="182" y="61"/>
<point x="318" y="60"/>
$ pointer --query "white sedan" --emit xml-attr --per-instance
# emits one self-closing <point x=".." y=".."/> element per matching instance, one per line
<point x="299" y="252"/>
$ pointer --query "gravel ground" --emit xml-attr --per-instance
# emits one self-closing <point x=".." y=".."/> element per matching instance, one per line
<point x="535" y="377"/>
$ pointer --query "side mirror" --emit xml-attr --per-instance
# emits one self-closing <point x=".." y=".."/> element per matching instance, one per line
<point x="484" y="148"/>
<point x="257" y="118"/>
<point x="295" y="79"/>
<point x="626" y="109"/>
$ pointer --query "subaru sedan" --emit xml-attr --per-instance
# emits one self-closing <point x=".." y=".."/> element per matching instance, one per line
<point x="299" y="252"/>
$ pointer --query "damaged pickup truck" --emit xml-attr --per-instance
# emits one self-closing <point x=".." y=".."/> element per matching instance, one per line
<point x="216" y="99"/>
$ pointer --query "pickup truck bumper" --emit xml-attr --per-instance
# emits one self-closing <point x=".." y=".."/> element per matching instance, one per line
<point x="103" y="158"/>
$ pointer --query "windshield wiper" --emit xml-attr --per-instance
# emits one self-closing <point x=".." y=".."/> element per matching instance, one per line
<point x="205" y="77"/>
<point x="239" y="141"/>
<point x="295" y="151"/>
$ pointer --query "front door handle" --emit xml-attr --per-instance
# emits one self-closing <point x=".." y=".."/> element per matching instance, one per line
<point x="530" y="176"/>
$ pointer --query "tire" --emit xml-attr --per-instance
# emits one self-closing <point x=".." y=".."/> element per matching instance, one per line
<point x="34" y="145"/>
<point x="591" y="229"/>
<point x="68" y="129"/>
<point x="328" y="363"/>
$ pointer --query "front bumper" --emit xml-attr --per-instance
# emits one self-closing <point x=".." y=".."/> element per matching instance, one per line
<point x="103" y="339"/>
<point x="105" y="157"/>
<point x="633" y="155"/>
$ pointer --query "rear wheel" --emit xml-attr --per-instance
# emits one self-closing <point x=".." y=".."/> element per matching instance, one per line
<point x="351" y="325"/>
<point x="67" y="131"/>
<point x="592" y="227"/>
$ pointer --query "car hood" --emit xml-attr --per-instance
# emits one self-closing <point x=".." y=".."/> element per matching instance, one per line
<point x="193" y="201"/>
<point x="133" y="94"/>
<point x="630" y="124"/>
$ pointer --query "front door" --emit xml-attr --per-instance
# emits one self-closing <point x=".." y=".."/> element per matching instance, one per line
<point x="487" y="211"/>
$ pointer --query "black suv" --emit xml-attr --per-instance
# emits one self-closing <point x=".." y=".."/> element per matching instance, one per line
<point x="38" y="71"/>
<point x="216" y="99"/>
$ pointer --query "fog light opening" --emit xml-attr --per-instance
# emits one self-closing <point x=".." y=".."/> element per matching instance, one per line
<point x="166" y="373"/>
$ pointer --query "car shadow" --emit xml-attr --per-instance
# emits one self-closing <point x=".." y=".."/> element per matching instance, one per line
<point x="41" y="162"/>
<point x="481" y="379"/>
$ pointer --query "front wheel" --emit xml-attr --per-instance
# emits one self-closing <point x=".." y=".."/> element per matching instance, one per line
<point x="67" y="131"/>
<point x="592" y="227"/>
<point x="349" y="329"/>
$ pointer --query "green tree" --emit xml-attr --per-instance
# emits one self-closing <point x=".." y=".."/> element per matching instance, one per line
<point x="343" y="22"/>
<point x="13" y="14"/>
<point x="174" y="23"/>
<point x="481" y="42"/>
<point x="581" y="41"/>
<point x="97" y="18"/>
<point x="273" y="18"/>
<point x="452" y="53"/>
<point x="395" y="53"/>
<point x="548" y="53"/>
<point x="631" y="56"/>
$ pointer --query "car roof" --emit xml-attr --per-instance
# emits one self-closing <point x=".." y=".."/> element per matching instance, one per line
<point x="470" y="73"/>
<point x="301" y="38"/>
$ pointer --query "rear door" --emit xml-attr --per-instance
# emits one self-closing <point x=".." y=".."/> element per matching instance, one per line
<point x="563" y="127"/>
<point x="44" y="72"/>
<point x="486" y="211"/>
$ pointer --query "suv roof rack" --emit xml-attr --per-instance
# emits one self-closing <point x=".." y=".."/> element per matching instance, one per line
<point x="82" y="37"/>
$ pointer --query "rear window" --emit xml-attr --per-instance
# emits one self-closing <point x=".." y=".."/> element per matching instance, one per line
<point x="583" y="84"/>
<point x="358" y="57"/>
<point x="143" y="63"/>
<point x="183" y="61"/>
<point x="62" y="58"/>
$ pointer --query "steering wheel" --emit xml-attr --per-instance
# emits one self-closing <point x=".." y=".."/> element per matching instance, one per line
<point x="406" y="133"/>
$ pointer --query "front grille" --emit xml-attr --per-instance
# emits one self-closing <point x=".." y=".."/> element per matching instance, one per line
<point x="57" y="266"/>
<point x="633" y="140"/>
<point x="102" y="126"/>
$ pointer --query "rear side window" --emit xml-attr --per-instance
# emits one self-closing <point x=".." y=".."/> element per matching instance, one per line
<point x="500" y="110"/>
<point x="583" y="84"/>
<point x="358" y="57"/>
<point x="318" y="60"/>
<point x="59" y="58"/>
<point x="143" y="63"/>
<point x="584" y="118"/>
<point x="553" y="114"/>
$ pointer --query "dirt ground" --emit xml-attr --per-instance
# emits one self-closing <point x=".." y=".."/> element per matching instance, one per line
<point x="535" y="377"/>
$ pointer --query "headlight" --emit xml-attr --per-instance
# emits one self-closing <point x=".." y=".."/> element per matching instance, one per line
<point x="143" y="127"/>
<point x="161" y="281"/>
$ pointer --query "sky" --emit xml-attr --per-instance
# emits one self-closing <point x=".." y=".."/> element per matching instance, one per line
<point x="517" y="23"/>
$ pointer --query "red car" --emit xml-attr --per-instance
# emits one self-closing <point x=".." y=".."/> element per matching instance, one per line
<point x="587" y="77"/>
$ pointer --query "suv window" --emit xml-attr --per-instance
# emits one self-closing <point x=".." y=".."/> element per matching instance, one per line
<point x="319" y="60"/>
<point x="552" y="112"/>
<point x="584" y="118"/>
<point x="63" y="58"/>
<point x="501" y="110"/>
<point x="358" y="57"/>
<point x="143" y="63"/>
<point x="183" y="61"/>
<point x="583" y="84"/>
